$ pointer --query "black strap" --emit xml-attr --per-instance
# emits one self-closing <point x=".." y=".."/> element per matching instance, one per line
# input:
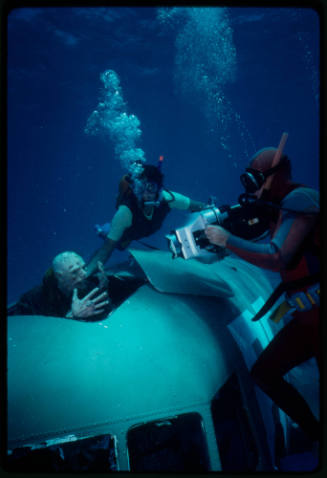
<point x="285" y="287"/>
<point x="171" y="194"/>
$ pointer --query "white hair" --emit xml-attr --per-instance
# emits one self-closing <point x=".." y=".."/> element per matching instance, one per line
<point x="62" y="260"/>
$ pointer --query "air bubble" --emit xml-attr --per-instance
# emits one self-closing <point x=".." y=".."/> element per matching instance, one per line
<point x="111" y="118"/>
<point x="205" y="64"/>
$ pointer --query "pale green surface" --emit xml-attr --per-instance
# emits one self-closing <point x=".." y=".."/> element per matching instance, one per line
<point x="64" y="374"/>
<point x="158" y="352"/>
<point x="179" y="276"/>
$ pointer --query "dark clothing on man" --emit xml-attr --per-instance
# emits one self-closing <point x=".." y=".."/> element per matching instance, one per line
<point x="47" y="299"/>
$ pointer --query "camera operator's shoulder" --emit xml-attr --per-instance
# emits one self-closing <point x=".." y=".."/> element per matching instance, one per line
<point x="302" y="199"/>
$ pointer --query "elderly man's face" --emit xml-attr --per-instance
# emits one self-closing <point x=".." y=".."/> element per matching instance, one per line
<point x="71" y="273"/>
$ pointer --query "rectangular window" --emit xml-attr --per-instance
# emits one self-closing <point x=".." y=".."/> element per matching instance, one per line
<point x="92" y="454"/>
<point x="174" y="444"/>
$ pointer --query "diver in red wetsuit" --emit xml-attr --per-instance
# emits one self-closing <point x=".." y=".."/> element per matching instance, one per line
<point x="293" y="250"/>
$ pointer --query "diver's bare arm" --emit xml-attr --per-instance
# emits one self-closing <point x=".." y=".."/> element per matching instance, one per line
<point x="196" y="206"/>
<point x="179" y="201"/>
<point x="102" y="255"/>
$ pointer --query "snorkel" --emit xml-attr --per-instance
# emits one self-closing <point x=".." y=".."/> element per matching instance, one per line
<point x="255" y="178"/>
<point x="277" y="157"/>
<point x="160" y="161"/>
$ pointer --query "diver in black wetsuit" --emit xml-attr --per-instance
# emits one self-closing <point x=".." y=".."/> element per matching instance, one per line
<point x="140" y="213"/>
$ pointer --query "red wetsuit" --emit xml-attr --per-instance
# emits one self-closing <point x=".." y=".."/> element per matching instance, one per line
<point x="294" y="252"/>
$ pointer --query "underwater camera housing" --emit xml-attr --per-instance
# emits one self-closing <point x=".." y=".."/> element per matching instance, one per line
<point x="245" y="220"/>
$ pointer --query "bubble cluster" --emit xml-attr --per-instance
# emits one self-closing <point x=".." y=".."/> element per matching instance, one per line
<point x="205" y="64"/>
<point x="205" y="48"/>
<point x="310" y="65"/>
<point x="111" y="118"/>
<point x="171" y="16"/>
<point x="309" y="51"/>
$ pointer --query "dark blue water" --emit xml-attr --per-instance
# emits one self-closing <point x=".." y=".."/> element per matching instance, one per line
<point x="209" y="88"/>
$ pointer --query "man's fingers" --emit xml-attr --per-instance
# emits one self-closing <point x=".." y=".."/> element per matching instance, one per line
<point x="97" y="312"/>
<point x="96" y="300"/>
<point x="101" y="304"/>
<point x="100" y="297"/>
<point x="91" y="294"/>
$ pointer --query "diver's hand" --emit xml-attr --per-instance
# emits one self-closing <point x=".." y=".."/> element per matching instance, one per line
<point x="90" y="304"/>
<point x="101" y="276"/>
<point x="217" y="235"/>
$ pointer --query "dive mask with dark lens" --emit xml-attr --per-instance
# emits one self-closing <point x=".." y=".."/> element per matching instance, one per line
<point x="253" y="179"/>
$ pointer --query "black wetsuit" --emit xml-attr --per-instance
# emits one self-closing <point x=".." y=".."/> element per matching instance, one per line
<point x="141" y="226"/>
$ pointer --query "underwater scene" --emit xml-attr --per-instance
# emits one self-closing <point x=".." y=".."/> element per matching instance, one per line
<point x="94" y="96"/>
<point x="205" y="88"/>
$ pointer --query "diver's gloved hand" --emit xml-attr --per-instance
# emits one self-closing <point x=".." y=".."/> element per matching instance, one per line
<point x="102" y="230"/>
